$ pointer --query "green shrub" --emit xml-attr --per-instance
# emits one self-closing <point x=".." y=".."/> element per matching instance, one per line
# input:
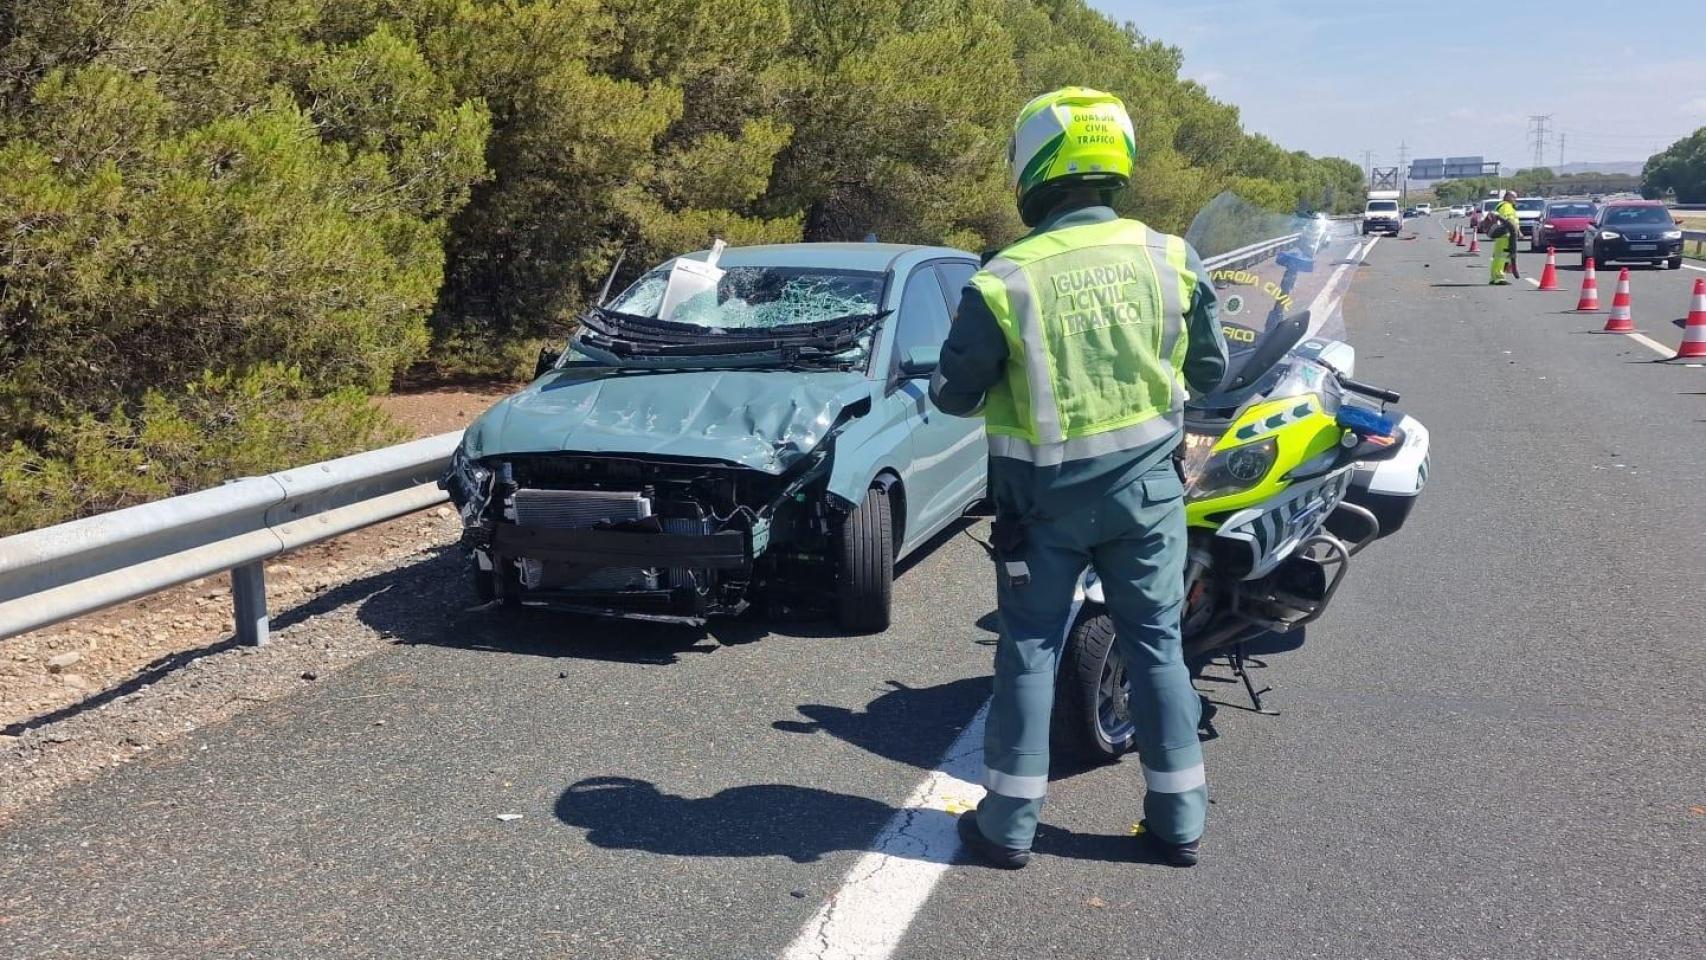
<point x="213" y="429"/>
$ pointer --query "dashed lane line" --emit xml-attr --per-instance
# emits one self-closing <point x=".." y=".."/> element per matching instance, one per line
<point x="1652" y="345"/>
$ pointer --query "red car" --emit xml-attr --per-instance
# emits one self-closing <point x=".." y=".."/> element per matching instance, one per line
<point x="1562" y="225"/>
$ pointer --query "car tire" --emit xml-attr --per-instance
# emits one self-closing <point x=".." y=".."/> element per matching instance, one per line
<point x="1078" y="728"/>
<point x="864" y="583"/>
<point x="1674" y="263"/>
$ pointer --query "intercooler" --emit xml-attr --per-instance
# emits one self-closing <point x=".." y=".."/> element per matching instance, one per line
<point x="582" y="509"/>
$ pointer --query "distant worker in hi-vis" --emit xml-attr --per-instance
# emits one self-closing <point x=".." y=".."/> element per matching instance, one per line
<point x="1504" y="234"/>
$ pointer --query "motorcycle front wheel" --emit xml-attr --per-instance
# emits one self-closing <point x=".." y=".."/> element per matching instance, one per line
<point x="1092" y="720"/>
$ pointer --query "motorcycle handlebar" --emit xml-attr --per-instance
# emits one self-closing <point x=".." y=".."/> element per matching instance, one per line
<point x="1369" y="390"/>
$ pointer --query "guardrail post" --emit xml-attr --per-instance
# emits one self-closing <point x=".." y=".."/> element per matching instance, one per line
<point x="249" y="596"/>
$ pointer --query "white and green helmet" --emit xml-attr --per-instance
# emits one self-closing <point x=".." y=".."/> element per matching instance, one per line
<point x="1072" y="134"/>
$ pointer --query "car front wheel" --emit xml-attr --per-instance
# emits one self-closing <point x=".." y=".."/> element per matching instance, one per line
<point x="1675" y="263"/>
<point x="864" y="583"/>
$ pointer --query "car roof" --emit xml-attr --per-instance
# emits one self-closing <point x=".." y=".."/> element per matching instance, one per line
<point x="1634" y="203"/>
<point x="876" y="257"/>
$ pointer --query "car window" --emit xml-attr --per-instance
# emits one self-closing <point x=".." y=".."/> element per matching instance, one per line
<point x="955" y="275"/>
<point x="1530" y="204"/>
<point x="1569" y="210"/>
<point x="1645" y="216"/>
<point x="923" y="316"/>
<point x="755" y="296"/>
<point x="1383" y="205"/>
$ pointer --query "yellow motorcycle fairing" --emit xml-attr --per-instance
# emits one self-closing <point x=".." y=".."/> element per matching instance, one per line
<point x="1299" y="429"/>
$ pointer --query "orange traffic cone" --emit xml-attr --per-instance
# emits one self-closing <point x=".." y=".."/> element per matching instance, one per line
<point x="1620" y="320"/>
<point x="1474" y="243"/>
<point x="1460" y="236"/>
<point x="1589" y="303"/>
<point x="1549" y="276"/>
<point x="1694" y="334"/>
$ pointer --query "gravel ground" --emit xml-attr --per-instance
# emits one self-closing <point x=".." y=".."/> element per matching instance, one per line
<point x="147" y="698"/>
<point x="99" y="690"/>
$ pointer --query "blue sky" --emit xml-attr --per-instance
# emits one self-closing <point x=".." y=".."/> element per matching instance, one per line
<point x="1340" y="78"/>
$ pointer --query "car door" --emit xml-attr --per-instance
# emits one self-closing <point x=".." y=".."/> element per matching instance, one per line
<point x="971" y="448"/>
<point x="937" y="484"/>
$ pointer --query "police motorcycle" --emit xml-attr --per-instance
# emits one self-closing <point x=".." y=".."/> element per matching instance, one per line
<point x="1291" y="469"/>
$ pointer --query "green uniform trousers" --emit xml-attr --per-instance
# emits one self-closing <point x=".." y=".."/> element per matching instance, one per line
<point x="1135" y="538"/>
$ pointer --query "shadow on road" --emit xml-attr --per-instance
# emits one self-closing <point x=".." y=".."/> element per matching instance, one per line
<point x="430" y="603"/>
<point x="159" y="669"/>
<point x="779" y="820"/>
<point x="913" y="725"/>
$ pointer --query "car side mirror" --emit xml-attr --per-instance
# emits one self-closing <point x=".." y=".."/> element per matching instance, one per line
<point x="920" y="361"/>
<point x="547" y="360"/>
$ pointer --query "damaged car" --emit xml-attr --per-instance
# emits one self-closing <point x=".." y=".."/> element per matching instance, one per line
<point x="740" y="425"/>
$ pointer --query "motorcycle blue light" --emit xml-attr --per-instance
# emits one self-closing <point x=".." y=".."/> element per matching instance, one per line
<point x="1365" y="423"/>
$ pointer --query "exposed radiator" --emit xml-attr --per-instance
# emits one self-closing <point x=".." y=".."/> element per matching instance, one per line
<point x="579" y="509"/>
<point x="574" y="509"/>
<point x="681" y="576"/>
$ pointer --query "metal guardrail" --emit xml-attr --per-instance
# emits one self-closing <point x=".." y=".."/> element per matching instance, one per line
<point x="70" y="569"/>
<point x="64" y="571"/>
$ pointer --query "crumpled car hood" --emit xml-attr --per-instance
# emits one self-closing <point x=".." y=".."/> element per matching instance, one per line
<point x="765" y="420"/>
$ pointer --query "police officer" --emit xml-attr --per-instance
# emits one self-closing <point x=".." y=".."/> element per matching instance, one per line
<point x="1504" y="234"/>
<point x="1076" y="344"/>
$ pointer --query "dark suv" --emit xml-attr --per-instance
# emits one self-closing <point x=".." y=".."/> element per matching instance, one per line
<point x="1633" y="230"/>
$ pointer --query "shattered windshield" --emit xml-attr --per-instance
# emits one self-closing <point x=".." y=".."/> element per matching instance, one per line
<point x="757" y="297"/>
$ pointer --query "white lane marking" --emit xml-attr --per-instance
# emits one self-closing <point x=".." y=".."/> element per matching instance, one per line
<point x="1532" y="280"/>
<point x="1317" y="312"/>
<point x="1690" y="266"/>
<point x="866" y="918"/>
<point x="1652" y="344"/>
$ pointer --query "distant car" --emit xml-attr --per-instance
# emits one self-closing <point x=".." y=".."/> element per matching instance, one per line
<point x="1528" y="213"/>
<point x="1634" y="230"/>
<point x="1486" y="209"/>
<point x="1562" y="225"/>
<point x="1411" y="212"/>
<point x="738" y="426"/>
<point x="1425" y="209"/>
<point x="1459" y="210"/>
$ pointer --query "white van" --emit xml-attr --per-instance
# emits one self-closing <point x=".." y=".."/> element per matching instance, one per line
<point x="1381" y="213"/>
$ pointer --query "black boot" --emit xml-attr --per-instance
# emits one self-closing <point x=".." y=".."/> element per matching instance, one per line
<point x="1174" y="854"/>
<point x="987" y="850"/>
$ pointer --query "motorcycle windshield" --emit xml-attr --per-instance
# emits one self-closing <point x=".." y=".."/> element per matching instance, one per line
<point x="1269" y="268"/>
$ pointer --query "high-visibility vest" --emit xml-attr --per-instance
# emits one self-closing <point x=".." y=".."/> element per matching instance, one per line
<point x="1094" y="317"/>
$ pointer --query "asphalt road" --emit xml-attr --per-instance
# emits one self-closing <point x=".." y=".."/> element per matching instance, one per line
<point x="1490" y="747"/>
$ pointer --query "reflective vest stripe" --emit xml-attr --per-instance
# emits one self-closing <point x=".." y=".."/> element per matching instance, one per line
<point x="1178" y="259"/>
<point x="1044" y="412"/>
<point x="1135" y="437"/>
